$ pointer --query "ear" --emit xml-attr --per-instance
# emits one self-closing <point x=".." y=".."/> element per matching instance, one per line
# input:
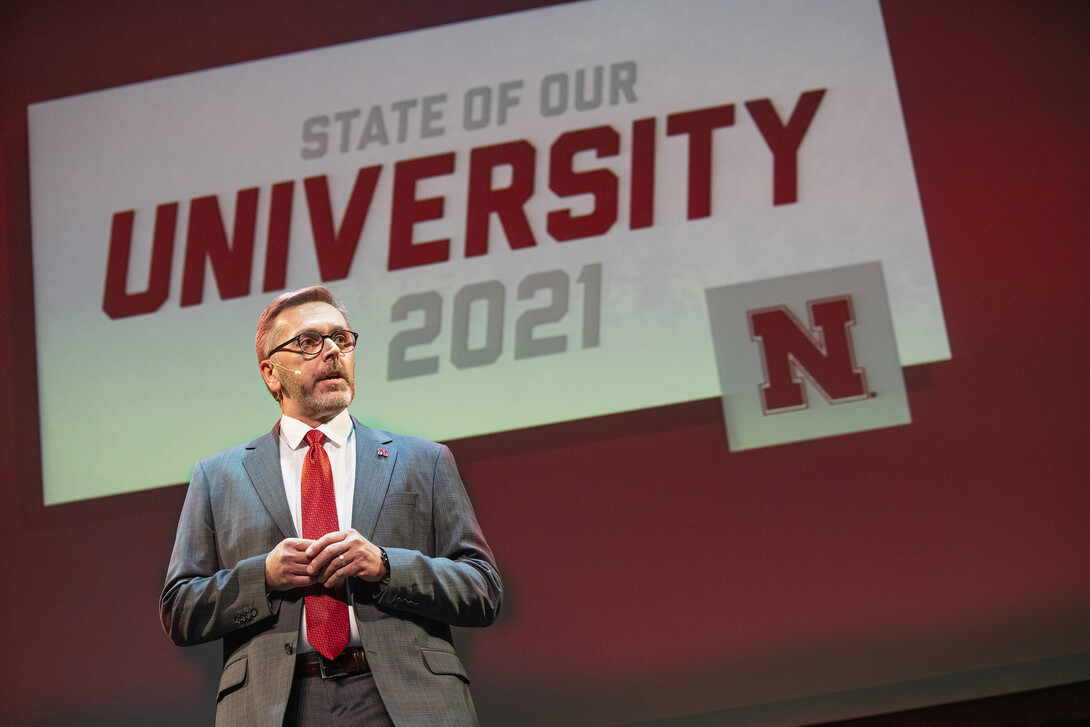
<point x="268" y="373"/>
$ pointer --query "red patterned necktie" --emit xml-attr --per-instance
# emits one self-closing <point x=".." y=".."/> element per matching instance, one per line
<point x="326" y="609"/>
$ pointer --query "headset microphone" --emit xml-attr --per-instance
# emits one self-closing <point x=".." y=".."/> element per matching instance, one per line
<point x="292" y="371"/>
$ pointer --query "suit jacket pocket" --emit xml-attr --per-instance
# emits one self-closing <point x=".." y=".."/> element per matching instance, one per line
<point x="400" y="502"/>
<point x="233" y="677"/>
<point x="444" y="662"/>
<point x="400" y="521"/>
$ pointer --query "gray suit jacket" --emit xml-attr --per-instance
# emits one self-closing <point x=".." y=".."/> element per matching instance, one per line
<point x="410" y="502"/>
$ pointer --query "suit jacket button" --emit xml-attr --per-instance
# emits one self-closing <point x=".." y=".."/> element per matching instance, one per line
<point x="288" y="648"/>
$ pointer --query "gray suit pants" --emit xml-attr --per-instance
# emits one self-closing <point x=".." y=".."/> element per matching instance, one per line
<point x="351" y="701"/>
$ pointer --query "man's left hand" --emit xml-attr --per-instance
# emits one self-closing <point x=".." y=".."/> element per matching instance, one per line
<point x="361" y="558"/>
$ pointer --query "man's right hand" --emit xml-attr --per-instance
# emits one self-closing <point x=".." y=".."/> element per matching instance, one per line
<point x="286" y="565"/>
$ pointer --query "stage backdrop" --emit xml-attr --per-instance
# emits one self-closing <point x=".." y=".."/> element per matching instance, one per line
<point x="758" y="329"/>
<point x="524" y="233"/>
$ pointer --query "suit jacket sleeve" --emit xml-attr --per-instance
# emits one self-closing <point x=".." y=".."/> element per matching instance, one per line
<point x="449" y="574"/>
<point x="204" y="598"/>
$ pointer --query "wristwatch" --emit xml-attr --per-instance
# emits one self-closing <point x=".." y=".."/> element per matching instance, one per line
<point x="385" y="580"/>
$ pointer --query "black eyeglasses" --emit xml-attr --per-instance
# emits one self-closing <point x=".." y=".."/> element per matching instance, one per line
<point x="312" y="342"/>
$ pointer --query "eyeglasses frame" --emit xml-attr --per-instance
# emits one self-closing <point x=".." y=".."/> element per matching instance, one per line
<point x="295" y="340"/>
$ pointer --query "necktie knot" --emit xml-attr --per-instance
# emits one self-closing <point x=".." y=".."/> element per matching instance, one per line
<point x="315" y="438"/>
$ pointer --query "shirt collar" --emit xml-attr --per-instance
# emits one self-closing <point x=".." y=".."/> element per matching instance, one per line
<point x="336" y="430"/>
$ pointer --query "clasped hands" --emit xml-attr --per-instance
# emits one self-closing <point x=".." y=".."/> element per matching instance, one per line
<point x="298" y="562"/>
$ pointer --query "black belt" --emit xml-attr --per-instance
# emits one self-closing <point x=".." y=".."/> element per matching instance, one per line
<point x="351" y="661"/>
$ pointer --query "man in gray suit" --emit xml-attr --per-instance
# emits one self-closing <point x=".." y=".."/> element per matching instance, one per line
<point x="403" y="556"/>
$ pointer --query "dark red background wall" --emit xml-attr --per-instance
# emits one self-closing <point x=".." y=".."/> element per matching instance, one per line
<point x="651" y="573"/>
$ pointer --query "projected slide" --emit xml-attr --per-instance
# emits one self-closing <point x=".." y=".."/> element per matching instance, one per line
<point x="522" y="240"/>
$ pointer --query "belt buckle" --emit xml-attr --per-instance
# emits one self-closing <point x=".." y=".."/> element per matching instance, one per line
<point x="337" y="667"/>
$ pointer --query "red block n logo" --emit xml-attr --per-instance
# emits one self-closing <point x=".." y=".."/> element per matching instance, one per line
<point x="823" y="353"/>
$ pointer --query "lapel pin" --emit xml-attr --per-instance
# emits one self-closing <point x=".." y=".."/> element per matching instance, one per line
<point x="383" y="453"/>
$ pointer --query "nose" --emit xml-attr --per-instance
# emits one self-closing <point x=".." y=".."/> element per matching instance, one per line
<point x="329" y="348"/>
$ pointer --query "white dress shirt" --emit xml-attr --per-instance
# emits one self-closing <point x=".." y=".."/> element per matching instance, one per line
<point x="340" y="445"/>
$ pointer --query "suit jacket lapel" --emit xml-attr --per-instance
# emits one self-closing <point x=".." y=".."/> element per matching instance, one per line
<point x="262" y="464"/>
<point x="373" y="471"/>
